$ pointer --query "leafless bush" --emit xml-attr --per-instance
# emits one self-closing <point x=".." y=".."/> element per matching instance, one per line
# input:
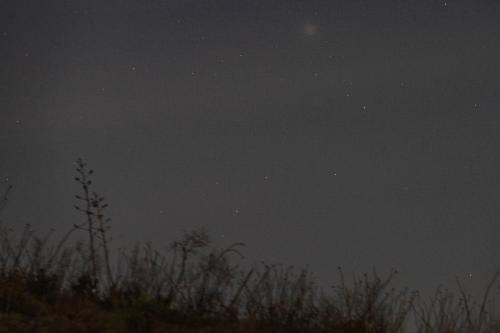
<point x="367" y="305"/>
<point x="447" y="313"/>
<point x="192" y="283"/>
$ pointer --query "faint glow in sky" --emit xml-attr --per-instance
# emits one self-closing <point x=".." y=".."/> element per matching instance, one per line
<point x="310" y="29"/>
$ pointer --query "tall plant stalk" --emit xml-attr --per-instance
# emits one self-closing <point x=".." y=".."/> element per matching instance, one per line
<point x="95" y="224"/>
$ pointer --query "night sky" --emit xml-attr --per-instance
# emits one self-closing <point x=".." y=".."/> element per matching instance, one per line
<point x="321" y="133"/>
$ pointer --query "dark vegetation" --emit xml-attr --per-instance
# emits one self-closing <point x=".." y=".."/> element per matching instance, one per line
<point x="69" y="285"/>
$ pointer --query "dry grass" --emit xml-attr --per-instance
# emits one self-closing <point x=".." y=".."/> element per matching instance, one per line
<point x="49" y="285"/>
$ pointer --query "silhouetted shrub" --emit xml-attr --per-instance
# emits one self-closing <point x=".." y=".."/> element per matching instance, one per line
<point x="193" y="287"/>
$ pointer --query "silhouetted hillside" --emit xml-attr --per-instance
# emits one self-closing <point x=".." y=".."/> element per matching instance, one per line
<point x="63" y="285"/>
